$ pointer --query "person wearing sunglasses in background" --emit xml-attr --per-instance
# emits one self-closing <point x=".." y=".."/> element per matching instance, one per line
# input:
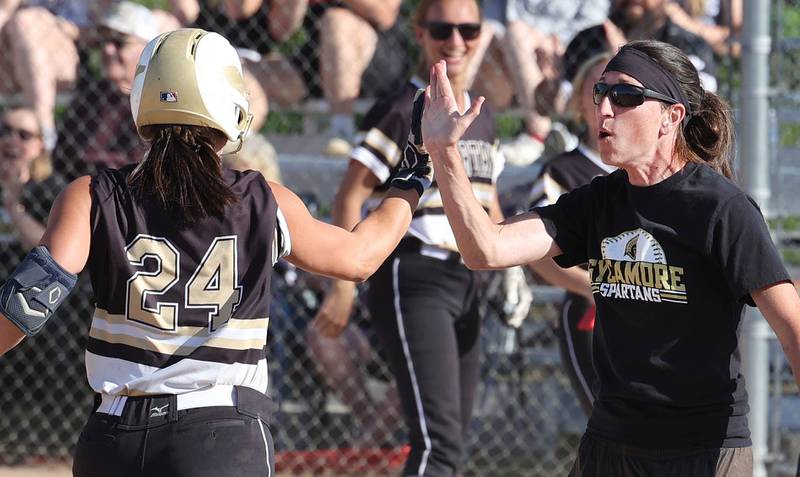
<point x="26" y="179"/>
<point x="95" y="130"/>
<point x="422" y="301"/>
<point x="675" y="250"/>
<point x="559" y="175"/>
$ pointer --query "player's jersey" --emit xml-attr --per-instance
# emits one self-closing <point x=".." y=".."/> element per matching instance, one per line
<point x="180" y="308"/>
<point x="386" y="129"/>
<point x="566" y="172"/>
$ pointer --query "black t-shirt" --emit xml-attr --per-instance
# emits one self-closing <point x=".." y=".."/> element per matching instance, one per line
<point x="671" y="266"/>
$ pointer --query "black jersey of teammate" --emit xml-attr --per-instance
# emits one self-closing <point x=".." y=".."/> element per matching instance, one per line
<point x="386" y="128"/>
<point x="390" y="118"/>
<point x="563" y="173"/>
<point x="156" y="283"/>
<point x="671" y="267"/>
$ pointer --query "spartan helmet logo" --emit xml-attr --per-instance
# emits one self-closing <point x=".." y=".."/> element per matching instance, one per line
<point x="635" y="245"/>
<point x="630" y="248"/>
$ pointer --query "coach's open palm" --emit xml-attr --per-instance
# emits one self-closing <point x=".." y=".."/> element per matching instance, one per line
<point x="442" y="124"/>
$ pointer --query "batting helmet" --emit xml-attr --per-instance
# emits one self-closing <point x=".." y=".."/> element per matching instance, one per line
<point x="191" y="76"/>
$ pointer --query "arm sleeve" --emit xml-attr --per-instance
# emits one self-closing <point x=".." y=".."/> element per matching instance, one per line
<point x="741" y="243"/>
<point x="567" y="221"/>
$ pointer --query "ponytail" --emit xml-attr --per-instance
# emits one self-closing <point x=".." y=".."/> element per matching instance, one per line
<point x="709" y="135"/>
<point x="182" y="173"/>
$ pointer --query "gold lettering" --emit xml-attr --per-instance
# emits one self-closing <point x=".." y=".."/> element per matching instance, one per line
<point x="676" y="275"/>
<point x="646" y="274"/>
<point x="632" y="273"/>
<point x="618" y="276"/>
<point x="662" y="276"/>
<point x="605" y="268"/>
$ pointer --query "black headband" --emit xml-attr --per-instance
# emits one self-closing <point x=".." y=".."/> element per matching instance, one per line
<point x="652" y="75"/>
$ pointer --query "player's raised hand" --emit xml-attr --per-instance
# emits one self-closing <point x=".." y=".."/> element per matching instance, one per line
<point x="415" y="170"/>
<point x="442" y="124"/>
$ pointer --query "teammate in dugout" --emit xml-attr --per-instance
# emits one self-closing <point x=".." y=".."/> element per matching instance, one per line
<point x="180" y="250"/>
<point x="561" y="174"/>
<point x="423" y="301"/>
<point x="675" y="250"/>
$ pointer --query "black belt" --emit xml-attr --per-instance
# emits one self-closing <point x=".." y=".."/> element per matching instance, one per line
<point x="415" y="245"/>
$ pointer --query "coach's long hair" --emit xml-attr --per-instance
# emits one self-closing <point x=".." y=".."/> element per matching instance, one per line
<point x="708" y="136"/>
<point x="182" y="172"/>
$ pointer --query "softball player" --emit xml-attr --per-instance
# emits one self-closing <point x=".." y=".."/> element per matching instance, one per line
<point x="423" y="300"/>
<point x="675" y="250"/>
<point x="180" y="251"/>
<point x="561" y="174"/>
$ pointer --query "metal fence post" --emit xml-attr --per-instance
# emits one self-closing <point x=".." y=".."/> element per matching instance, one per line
<point x="754" y="153"/>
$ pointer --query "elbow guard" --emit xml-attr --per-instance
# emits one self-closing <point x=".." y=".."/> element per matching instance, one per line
<point x="35" y="290"/>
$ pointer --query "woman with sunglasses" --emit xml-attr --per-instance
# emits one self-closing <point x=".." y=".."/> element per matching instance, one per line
<point x="675" y="250"/>
<point x="26" y="179"/>
<point x="422" y="300"/>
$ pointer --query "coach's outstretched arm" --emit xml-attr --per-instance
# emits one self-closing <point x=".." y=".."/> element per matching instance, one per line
<point x="483" y="244"/>
<point x="42" y="281"/>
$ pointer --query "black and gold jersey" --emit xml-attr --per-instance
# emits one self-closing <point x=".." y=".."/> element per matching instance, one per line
<point x="180" y="308"/>
<point x="385" y="130"/>
<point x="566" y="172"/>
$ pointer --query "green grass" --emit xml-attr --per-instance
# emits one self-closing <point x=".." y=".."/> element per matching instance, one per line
<point x="162" y="4"/>
<point x="791" y="21"/>
<point x="791" y="256"/>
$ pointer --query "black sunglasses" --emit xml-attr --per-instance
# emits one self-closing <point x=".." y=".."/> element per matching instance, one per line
<point x="626" y="95"/>
<point x="119" y="41"/>
<point x="24" y="134"/>
<point x="442" y="30"/>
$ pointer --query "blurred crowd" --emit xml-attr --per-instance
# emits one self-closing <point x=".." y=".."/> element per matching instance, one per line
<point x="526" y="54"/>
<point x="67" y="67"/>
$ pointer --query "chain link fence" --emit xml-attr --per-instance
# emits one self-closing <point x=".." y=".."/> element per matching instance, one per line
<point x="526" y="420"/>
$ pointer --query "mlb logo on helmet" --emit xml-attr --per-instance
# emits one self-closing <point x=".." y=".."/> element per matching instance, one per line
<point x="169" y="97"/>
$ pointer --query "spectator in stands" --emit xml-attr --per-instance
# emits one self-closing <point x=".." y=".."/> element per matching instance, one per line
<point x="96" y="130"/>
<point x="356" y="47"/>
<point x="255" y="28"/>
<point x="40" y="56"/>
<point x="636" y="20"/>
<point x="28" y="185"/>
<point x="716" y="21"/>
<point x="529" y="36"/>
